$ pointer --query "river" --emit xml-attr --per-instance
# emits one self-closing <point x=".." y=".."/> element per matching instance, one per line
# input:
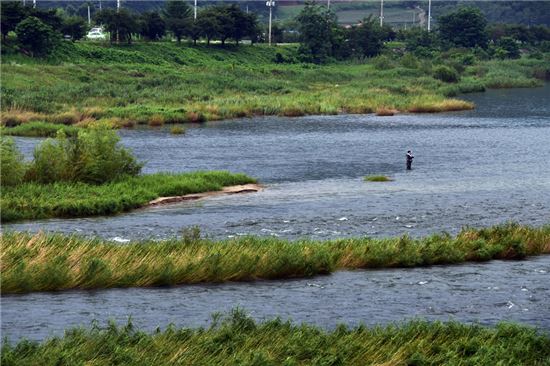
<point x="476" y="168"/>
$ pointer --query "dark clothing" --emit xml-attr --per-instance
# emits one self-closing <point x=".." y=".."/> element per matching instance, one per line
<point x="410" y="158"/>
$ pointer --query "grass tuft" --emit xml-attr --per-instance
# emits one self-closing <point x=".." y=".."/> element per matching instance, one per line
<point x="177" y="130"/>
<point x="378" y="178"/>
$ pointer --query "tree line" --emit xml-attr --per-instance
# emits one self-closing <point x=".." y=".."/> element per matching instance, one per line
<point x="316" y="28"/>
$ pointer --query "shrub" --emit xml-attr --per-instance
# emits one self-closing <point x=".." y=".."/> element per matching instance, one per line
<point x="382" y="63"/>
<point x="177" y="130"/>
<point x="377" y="178"/>
<point x="93" y="156"/>
<point x="409" y="61"/>
<point x="12" y="167"/>
<point x="156" y="120"/>
<point x="36" y="37"/>
<point x="446" y="74"/>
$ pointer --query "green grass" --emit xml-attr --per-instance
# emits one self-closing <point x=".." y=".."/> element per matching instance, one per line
<point x="51" y="262"/>
<point x="236" y="339"/>
<point x="63" y="199"/>
<point x="377" y="178"/>
<point x="39" y="129"/>
<point x="165" y="82"/>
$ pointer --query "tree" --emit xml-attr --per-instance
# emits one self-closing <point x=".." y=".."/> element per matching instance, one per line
<point x="315" y="26"/>
<point x="208" y="24"/>
<point x="36" y="37"/>
<point x="75" y="27"/>
<point x="153" y="26"/>
<point x="464" y="28"/>
<point x="48" y="16"/>
<point x="120" y="24"/>
<point x="366" y="38"/>
<point x="177" y="14"/>
<point x="12" y="13"/>
<point x="509" y="47"/>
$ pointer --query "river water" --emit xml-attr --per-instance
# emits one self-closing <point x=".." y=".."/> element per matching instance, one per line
<point x="485" y="293"/>
<point x="477" y="168"/>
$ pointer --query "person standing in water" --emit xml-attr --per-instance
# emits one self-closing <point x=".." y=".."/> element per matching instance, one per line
<point x="410" y="158"/>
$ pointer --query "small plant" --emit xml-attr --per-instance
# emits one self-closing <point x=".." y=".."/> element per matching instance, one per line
<point x="377" y="178"/>
<point x="12" y="167"/>
<point x="383" y="111"/>
<point x="177" y="130"/>
<point x="156" y="120"/>
<point x="446" y="74"/>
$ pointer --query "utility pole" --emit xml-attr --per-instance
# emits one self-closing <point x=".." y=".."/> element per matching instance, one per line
<point x="34" y="3"/>
<point x="195" y="11"/>
<point x="99" y="5"/>
<point x="429" y="15"/>
<point x="270" y="4"/>
<point x="117" y="10"/>
<point x="381" y="12"/>
<point x="328" y="4"/>
<point x="89" y="17"/>
<point x="414" y="17"/>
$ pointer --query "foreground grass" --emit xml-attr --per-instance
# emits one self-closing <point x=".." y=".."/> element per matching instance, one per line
<point x="159" y="83"/>
<point x="45" y="262"/>
<point x="39" y="201"/>
<point x="238" y="340"/>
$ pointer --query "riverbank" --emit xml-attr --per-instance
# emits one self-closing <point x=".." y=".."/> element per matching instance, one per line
<point x="237" y="339"/>
<point x="168" y="83"/>
<point x="64" y="199"/>
<point x="33" y="262"/>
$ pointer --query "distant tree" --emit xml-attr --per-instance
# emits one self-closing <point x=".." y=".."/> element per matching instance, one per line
<point x="120" y="24"/>
<point x="464" y="28"/>
<point x="226" y="22"/>
<point x="242" y="24"/>
<point x="75" y="27"/>
<point x="366" y="38"/>
<point x="12" y="13"/>
<point x="315" y="26"/>
<point x="193" y="30"/>
<point x="509" y="46"/>
<point x="177" y="14"/>
<point x="277" y="33"/>
<point x="208" y="23"/>
<point x="36" y="37"/>
<point x="153" y="26"/>
<point x="48" y="16"/>
<point x="419" y="40"/>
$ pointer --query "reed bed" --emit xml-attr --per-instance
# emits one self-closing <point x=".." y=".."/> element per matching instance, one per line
<point x="40" y="129"/>
<point x="51" y="262"/>
<point x="377" y="178"/>
<point x="236" y="339"/>
<point x="68" y="199"/>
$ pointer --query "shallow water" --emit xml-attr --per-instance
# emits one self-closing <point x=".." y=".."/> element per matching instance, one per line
<point x="478" y="168"/>
<point x="484" y="293"/>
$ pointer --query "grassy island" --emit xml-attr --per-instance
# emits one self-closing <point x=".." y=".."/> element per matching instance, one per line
<point x="42" y="201"/>
<point x="89" y="174"/>
<point x="236" y="339"/>
<point x="163" y="82"/>
<point x="48" y="262"/>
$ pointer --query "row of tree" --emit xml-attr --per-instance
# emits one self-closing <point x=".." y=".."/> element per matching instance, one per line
<point x="219" y="22"/>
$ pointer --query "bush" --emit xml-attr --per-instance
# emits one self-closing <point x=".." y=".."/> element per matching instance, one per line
<point x="177" y="130"/>
<point x="12" y="167"/>
<point x="409" y="61"/>
<point x="93" y="156"/>
<point x="446" y="74"/>
<point x="36" y="37"/>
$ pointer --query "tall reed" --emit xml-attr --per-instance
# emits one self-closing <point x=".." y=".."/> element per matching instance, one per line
<point x="236" y="339"/>
<point x="46" y="262"/>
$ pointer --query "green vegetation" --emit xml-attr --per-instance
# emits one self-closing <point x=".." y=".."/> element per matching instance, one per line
<point x="89" y="174"/>
<point x="175" y="84"/>
<point x="50" y="262"/>
<point x="40" y="129"/>
<point x="177" y="130"/>
<point x="236" y="339"/>
<point x="377" y="178"/>
<point x="68" y="199"/>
